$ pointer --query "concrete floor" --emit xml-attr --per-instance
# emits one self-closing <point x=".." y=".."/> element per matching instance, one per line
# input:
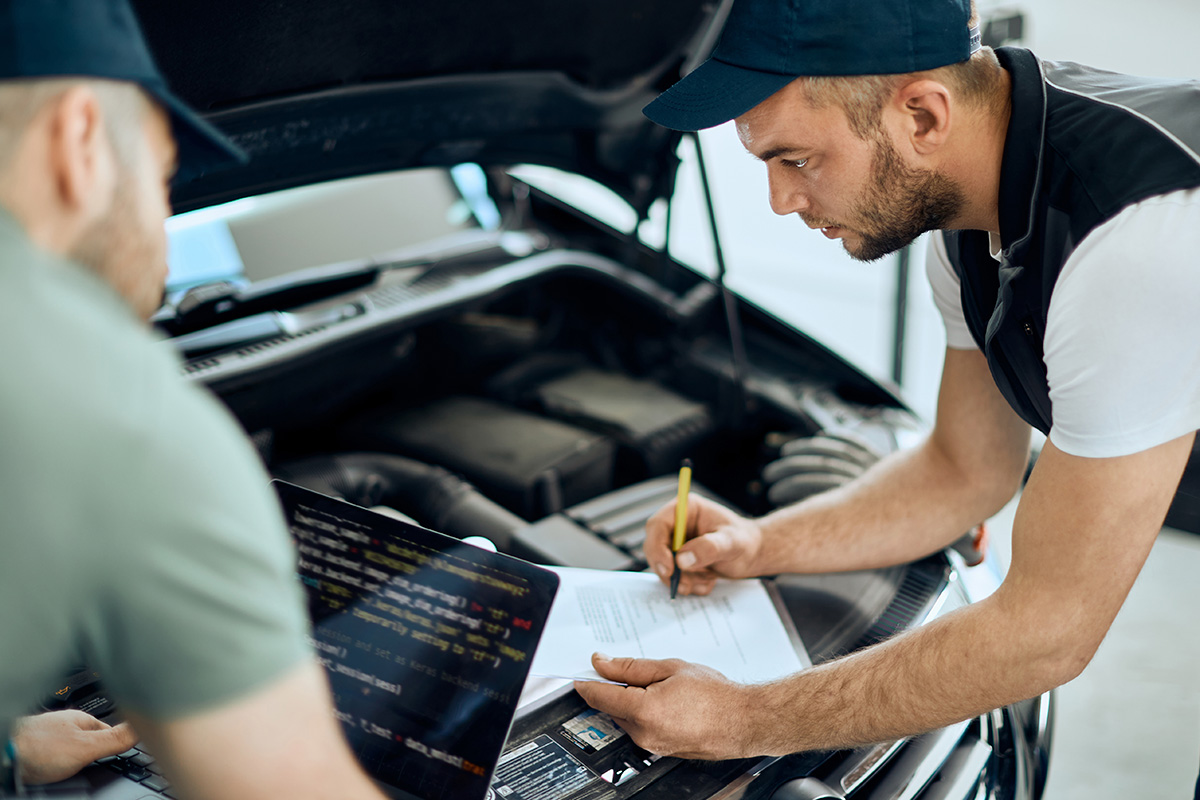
<point x="1129" y="725"/>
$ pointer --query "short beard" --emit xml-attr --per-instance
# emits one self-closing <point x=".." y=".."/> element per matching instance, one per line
<point x="901" y="203"/>
<point x="117" y="250"/>
<point x="100" y="244"/>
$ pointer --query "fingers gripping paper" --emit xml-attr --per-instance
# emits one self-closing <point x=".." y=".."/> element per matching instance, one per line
<point x="736" y="630"/>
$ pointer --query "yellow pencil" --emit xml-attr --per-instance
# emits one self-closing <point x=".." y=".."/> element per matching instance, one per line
<point x="681" y="511"/>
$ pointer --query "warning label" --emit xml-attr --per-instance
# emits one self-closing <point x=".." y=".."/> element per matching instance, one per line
<point x="540" y="770"/>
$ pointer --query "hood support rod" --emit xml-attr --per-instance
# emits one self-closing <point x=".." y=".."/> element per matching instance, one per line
<point x="732" y="319"/>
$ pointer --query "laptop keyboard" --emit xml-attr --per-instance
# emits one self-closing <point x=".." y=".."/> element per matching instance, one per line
<point x="138" y="765"/>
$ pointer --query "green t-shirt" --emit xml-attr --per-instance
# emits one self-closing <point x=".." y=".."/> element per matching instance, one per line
<point x="137" y="530"/>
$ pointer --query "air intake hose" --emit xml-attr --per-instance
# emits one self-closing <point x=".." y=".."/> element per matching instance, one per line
<point x="434" y="496"/>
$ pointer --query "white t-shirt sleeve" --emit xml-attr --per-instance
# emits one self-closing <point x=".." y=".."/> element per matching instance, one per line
<point x="1122" y="343"/>
<point x="947" y="294"/>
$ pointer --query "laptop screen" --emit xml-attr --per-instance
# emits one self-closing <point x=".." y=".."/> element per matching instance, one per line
<point x="427" y="642"/>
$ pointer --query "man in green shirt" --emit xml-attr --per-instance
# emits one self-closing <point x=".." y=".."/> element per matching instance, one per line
<point x="138" y="531"/>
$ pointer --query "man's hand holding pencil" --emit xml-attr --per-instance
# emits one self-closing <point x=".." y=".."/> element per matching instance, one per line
<point x="716" y="543"/>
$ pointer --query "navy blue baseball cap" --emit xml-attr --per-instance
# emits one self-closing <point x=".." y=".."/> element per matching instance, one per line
<point x="102" y="39"/>
<point x="766" y="44"/>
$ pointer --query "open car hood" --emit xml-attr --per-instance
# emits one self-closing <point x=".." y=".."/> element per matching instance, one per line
<point x="321" y="89"/>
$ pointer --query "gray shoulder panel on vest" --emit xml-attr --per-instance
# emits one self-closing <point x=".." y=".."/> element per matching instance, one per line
<point x="1171" y="106"/>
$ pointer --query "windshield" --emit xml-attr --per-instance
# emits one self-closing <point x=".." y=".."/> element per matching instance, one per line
<point x="262" y="237"/>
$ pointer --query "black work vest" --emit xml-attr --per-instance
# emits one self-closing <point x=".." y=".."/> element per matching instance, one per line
<point x="1082" y="145"/>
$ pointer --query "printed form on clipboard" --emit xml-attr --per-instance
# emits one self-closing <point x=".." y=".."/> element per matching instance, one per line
<point x="740" y="630"/>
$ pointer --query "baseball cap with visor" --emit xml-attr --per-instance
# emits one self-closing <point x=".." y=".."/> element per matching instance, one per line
<point x="102" y="39"/>
<point x="766" y="44"/>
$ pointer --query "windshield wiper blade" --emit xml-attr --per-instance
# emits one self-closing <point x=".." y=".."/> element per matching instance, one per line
<point x="258" y="327"/>
<point x="217" y="303"/>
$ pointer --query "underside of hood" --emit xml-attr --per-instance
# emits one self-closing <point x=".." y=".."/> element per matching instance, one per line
<point x="321" y="89"/>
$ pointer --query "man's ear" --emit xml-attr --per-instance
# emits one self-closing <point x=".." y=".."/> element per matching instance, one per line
<point x="925" y="108"/>
<point x="80" y="155"/>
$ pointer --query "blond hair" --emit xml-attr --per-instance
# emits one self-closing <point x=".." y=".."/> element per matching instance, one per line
<point x="123" y="106"/>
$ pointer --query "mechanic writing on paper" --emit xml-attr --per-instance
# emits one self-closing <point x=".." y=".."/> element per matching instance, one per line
<point x="1066" y="273"/>
<point x="138" y="529"/>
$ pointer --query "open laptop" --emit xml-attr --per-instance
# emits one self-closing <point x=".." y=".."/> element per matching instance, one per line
<point x="427" y="642"/>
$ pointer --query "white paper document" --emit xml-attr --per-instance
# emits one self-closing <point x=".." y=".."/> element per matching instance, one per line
<point x="736" y="630"/>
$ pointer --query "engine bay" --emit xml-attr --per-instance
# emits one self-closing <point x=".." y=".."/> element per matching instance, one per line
<point x="545" y="401"/>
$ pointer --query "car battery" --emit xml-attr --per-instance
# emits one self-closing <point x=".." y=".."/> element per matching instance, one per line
<point x="651" y="423"/>
<point x="531" y="465"/>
